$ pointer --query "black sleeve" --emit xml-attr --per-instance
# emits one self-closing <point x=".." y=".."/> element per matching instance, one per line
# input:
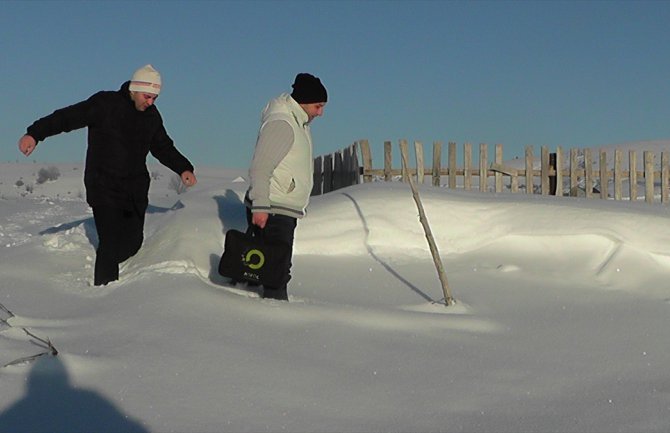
<point x="66" y="119"/>
<point x="164" y="150"/>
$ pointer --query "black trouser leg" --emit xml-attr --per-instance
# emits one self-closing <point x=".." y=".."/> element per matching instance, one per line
<point x="133" y="235"/>
<point x="279" y="229"/>
<point x="120" y="236"/>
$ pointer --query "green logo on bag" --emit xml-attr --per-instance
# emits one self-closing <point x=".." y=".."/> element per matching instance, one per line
<point x="252" y="253"/>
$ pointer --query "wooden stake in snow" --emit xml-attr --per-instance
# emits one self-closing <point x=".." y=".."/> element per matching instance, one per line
<point x="448" y="299"/>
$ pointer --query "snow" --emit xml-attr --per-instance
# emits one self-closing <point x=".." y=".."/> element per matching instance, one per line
<point x="560" y="323"/>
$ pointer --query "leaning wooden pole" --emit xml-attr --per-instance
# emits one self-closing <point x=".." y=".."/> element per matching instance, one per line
<point x="448" y="299"/>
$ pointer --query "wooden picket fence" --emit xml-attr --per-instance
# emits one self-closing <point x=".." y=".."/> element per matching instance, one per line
<point x="577" y="169"/>
<point x="336" y="170"/>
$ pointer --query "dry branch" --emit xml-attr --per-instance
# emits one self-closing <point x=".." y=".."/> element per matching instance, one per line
<point x="45" y="343"/>
<point x="449" y="300"/>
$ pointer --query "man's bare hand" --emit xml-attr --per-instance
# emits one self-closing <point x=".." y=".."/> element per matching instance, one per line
<point x="188" y="178"/>
<point x="260" y="219"/>
<point x="27" y="144"/>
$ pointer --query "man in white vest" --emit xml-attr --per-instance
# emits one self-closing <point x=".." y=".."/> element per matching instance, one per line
<point x="281" y="173"/>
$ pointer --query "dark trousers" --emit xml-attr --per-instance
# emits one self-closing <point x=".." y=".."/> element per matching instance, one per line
<point x="279" y="229"/>
<point x="120" y="236"/>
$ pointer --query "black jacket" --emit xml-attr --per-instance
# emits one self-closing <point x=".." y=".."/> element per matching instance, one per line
<point x="119" y="139"/>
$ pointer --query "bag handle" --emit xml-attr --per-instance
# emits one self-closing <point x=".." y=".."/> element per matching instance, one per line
<point x="254" y="231"/>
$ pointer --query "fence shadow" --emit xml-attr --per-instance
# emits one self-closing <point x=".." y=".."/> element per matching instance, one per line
<point x="51" y="403"/>
<point x="379" y="260"/>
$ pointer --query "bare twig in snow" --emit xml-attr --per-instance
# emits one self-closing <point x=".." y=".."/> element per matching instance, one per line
<point x="449" y="300"/>
<point x="44" y="343"/>
<point x="50" y="346"/>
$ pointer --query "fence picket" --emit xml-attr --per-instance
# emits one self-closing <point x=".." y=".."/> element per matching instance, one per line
<point x="558" y="166"/>
<point x="529" y="170"/>
<point x="467" y="166"/>
<point x="648" y="177"/>
<point x="632" y="155"/>
<point x="388" y="161"/>
<point x="317" y="188"/>
<point x="497" y="175"/>
<point x="665" y="171"/>
<point x="588" y="172"/>
<point x="604" y="174"/>
<point x="327" y="173"/>
<point x="437" y="162"/>
<point x="544" y="168"/>
<point x="403" y="156"/>
<point x="452" y="165"/>
<point x="366" y="155"/>
<point x="574" y="181"/>
<point x="618" y="175"/>
<point x="354" y="168"/>
<point x="483" y="167"/>
<point x="418" y="151"/>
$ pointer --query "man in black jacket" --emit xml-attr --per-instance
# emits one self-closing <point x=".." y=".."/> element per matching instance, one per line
<point x="123" y="127"/>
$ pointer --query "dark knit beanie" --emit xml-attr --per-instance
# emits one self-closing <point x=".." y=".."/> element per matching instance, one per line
<point x="307" y="89"/>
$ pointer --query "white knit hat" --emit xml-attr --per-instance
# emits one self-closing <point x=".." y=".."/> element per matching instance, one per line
<point x="146" y="79"/>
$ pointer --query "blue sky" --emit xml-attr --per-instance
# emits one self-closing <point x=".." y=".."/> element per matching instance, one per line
<point x="569" y="73"/>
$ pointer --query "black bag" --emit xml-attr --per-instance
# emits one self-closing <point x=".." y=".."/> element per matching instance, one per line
<point x="247" y="258"/>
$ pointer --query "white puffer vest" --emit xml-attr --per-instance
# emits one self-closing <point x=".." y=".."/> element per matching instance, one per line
<point x="292" y="180"/>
